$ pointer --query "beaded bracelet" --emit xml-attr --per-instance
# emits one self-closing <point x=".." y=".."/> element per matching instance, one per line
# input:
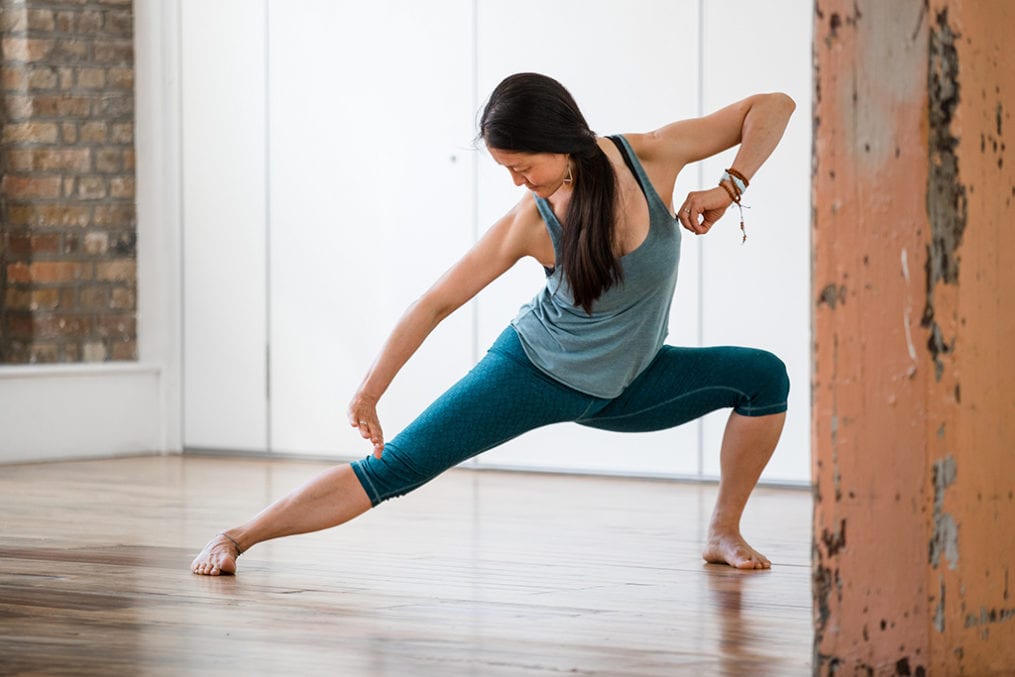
<point x="735" y="183"/>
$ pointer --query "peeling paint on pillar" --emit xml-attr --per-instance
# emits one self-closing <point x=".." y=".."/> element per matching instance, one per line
<point x="946" y="196"/>
<point x="912" y="103"/>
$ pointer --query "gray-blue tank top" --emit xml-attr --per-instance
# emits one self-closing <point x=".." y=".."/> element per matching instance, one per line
<point x="600" y="354"/>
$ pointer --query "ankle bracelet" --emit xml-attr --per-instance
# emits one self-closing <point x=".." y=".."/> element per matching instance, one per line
<point x="233" y="541"/>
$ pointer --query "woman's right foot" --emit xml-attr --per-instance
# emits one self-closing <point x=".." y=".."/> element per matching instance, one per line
<point x="218" y="557"/>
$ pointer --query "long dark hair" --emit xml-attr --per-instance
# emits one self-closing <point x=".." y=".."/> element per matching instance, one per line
<point x="533" y="113"/>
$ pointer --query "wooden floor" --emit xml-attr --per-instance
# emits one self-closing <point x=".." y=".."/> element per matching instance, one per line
<point x="478" y="573"/>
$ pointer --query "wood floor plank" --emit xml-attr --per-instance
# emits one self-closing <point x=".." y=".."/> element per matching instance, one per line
<point x="478" y="573"/>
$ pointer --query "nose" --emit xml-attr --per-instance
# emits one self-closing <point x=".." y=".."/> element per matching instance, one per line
<point x="517" y="178"/>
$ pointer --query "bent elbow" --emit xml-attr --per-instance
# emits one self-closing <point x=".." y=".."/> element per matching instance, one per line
<point x="784" y="101"/>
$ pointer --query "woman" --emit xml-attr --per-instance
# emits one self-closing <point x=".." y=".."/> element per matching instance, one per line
<point x="589" y="348"/>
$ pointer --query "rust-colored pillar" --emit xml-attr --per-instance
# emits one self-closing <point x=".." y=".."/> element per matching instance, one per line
<point x="914" y="384"/>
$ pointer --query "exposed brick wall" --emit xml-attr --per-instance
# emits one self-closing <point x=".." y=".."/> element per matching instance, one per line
<point x="68" y="234"/>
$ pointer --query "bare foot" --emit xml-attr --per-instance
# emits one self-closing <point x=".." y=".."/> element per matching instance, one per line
<point x="731" y="548"/>
<point x="218" y="557"/>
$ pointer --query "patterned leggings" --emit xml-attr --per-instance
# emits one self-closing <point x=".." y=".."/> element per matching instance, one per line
<point x="505" y="395"/>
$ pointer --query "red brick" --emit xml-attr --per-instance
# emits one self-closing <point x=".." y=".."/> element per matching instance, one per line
<point x="124" y="350"/>
<point x="64" y="215"/>
<point x="92" y="188"/>
<point x="94" y="298"/>
<point x="91" y="78"/>
<point x="43" y="353"/>
<point x="58" y="271"/>
<point x="116" y="326"/>
<point x="42" y="77"/>
<point x="115" y="216"/>
<point x="71" y="352"/>
<point x="68" y="159"/>
<point x="120" y="78"/>
<point x="89" y="22"/>
<point x="69" y="186"/>
<point x="18" y="107"/>
<point x="71" y="106"/>
<point x="119" y="23"/>
<point x="14" y="77"/>
<point x="31" y="187"/>
<point x="93" y="351"/>
<point x="13" y="19"/>
<point x="69" y="298"/>
<point x="32" y="299"/>
<point x="128" y="160"/>
<point x="94" y="132"/>
<point x="122" y="298"/>
<point x="19" y="273"/>
<point x="52" y="325"/>
<point x="70" y="50"/>
<point x="96" y="242"/>
<point x="122" y="270"/>
<point x="71" y="243"/>
<point x="66" y="74"/>
<point x="109" y="160"/>
<point x="113" y="51"/>
<point x="122" y="132"/>
<point x="25" y="244"/>
<point x="114" y="106"/>
<point x="19" y="324"/>
<point x="21" y="214"/>
<point x="121" y="187"/>
<point x="26" y="49"/>
<point x="45" y="299"/>
<point x="41" y="20"/>
<point x="17" y="299"/>
<point x="69" y="132"/>
<point x="65" y="21"/>
<point x="30" y="132"/>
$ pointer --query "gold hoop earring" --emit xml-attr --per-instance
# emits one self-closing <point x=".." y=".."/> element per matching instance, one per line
<point x="570" y="177"/>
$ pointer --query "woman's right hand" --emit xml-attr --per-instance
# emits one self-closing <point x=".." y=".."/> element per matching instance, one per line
<point x="363" y="415"/>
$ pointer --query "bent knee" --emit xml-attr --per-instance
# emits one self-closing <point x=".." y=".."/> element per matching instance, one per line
<point x="774" y="373"/>
<point x="769" y="383"/>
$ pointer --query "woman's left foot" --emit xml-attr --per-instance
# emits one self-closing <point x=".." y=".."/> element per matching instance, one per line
<point x="731" y="548"/>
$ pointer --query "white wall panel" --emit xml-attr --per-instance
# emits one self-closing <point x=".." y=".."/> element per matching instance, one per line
<point x="56" y="412"/>
<point x="757" y="294"/>
<point x="371" y="200"/>
<point x="224" y="189"/>
<point x="632" y="67"/>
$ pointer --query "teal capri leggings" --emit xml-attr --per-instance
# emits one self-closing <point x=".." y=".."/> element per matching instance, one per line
<point x="505" y="395"/>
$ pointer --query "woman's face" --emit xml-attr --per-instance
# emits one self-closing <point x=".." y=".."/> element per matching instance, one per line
<point x="542" y="173"/>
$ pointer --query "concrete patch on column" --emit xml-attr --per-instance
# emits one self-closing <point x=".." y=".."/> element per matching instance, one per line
<point x="945" y="540"/>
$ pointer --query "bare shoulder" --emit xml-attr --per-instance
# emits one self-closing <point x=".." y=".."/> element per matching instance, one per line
<point x="661" y="165"/>
<point x="522" y="232"/>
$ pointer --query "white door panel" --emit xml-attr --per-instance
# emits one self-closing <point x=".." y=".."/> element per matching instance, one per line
<point x="224" y="189"/>
<point x="371" y="175"/>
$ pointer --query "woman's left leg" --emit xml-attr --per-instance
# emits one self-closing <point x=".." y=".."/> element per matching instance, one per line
<point x="683" y="384"/>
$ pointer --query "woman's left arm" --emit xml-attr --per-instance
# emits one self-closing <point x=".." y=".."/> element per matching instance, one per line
<point x="756" y="123"/>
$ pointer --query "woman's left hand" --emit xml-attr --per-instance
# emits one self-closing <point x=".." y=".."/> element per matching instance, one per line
<point x="703" y="208"/>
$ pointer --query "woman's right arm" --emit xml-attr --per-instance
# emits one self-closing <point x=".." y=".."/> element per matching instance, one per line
<point x="510" y="239"/>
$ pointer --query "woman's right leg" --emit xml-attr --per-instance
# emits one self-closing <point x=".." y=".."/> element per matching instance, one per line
<point x="501" y="398"/>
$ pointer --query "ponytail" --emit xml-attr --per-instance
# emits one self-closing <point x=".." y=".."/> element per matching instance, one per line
<point x="532" y="113"/>
<point x="587" y="253"/>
